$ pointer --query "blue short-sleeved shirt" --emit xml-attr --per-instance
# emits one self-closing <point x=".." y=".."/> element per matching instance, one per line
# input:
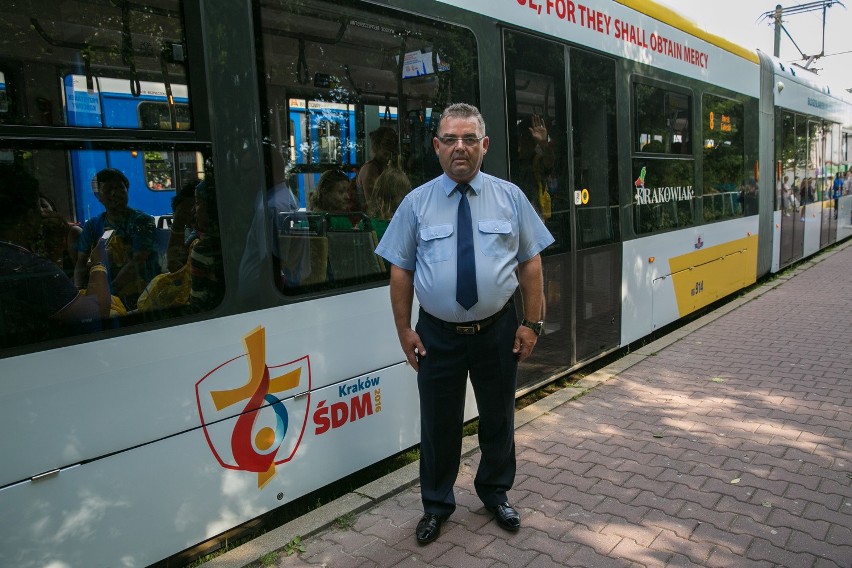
<point x="136" y="229"/>
<point x="422" y="237"/>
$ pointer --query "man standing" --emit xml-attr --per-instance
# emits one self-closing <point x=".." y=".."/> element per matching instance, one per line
<point x="463" y="242"/>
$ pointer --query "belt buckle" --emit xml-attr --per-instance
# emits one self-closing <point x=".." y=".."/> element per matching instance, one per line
<point x="467" y="329"/>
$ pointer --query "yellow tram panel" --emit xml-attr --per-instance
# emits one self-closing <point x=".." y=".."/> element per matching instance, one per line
<point x="703" y="276"/>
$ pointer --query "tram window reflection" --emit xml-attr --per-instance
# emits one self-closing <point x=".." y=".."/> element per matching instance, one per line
<point x="727" y="188"/>
<point x="663" y="195"/>
<point x="126" y="238"/>
<point x="663" y="120"/>
<point x="143" y="49"/>
<point x="536" y="104"/>
<point x="664" y="189"/>
<point x="355" y="99"/>
<point x="38" y="300"/>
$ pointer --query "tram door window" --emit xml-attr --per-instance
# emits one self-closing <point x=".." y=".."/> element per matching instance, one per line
<point x="727" y="192"/>
<point x="595" y="166"/>
<point x="353" y="93"/>
<point x="537" y="104"/>
<point x="819" y="148"/>
<point x="844" y="217"/>
<point x="786" y="155"/>
<point x="113" y="76"/>
<point x="799" y="179"/>
<point x="663" y="161"/>
<point x="539" y="164"/>
<point x="593" y="115"/>
<point x="829" y="135"/>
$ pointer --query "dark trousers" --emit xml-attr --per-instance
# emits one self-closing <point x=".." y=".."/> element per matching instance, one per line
<point x="442" y="382"/>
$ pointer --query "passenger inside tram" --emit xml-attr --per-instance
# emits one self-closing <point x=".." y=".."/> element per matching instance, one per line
<point x="53" y="233"/>
<point x="57" y="241"/>
<point x="131" y="243"/>
<point x="199" y="281"/>
<point x="383" y="145"/>
<point x="535" y="163"/>
<point x="182" y="232"/>
<point x="205" y="258"/>
<point x="388" y="192"/>
<point x="37" y="298"/>
<point x="172" y="288"/>
<point x="332" y="196"/>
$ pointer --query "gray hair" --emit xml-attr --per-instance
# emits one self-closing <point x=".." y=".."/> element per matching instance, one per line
<point x="464" y="110"/>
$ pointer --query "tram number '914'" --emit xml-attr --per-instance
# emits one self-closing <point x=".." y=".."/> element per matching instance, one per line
<point x="341" y="413"/>
<point x="699" y="287"/>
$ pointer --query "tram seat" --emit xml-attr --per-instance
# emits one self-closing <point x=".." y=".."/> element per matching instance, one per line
<point x="351" y="254"/>
<point x="320" y="247"/>
<point x="304" y="259"/>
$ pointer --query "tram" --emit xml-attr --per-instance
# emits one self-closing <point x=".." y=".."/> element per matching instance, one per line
<point x="670" y="160"/>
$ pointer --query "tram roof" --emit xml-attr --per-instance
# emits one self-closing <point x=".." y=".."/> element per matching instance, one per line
<point x="672" y="18"/>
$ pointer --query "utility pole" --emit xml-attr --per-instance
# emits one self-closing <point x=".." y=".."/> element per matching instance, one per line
<point x="777" y="17"/>
<point x="778" y="10"/>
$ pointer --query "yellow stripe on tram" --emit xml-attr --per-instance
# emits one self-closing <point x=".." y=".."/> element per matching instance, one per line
<point x="667" y="16"/>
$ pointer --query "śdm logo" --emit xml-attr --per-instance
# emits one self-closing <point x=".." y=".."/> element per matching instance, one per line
<point x="264" y="406"/>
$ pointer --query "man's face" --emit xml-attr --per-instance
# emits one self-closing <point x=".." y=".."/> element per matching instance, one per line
<point x="112" y="194"/>
<point x="460" y="161"/>
<point x="386" y="146"/>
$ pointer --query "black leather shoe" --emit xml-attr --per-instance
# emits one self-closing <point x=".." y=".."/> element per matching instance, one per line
<point x="507" y="517"/>
<point x="429" y="528"/>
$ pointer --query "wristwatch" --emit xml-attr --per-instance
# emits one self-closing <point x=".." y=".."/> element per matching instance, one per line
<point x="536" y="326"/>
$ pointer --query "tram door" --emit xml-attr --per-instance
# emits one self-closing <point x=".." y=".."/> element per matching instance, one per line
<point x="828" y="134"/>
<point x="571" y="180"/>
<point x="795" y="184"/>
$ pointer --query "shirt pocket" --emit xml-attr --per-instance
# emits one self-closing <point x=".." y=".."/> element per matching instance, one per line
<point x="435" y="244"/>
<point x="495" y="237"/>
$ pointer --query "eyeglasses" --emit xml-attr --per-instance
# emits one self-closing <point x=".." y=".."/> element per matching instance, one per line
<point x="466" y="140"/>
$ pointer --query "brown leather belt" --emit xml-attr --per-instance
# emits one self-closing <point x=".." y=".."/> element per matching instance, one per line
<point x="469" y="327"/>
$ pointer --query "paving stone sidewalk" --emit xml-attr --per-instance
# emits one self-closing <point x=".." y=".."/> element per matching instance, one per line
<point x="725" y="444"/>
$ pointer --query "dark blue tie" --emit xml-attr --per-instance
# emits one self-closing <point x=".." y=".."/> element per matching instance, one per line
<point x="465" y="262"/>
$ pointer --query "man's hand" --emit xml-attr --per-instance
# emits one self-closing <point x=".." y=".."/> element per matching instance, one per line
<point x="99" y="253"/>
<point x="538" y="130"/>
<point x="410" y="341"/>
<point x="525" y="340"/>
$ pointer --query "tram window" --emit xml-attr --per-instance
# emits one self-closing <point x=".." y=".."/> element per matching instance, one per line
<point x="4" y="98"/>
<point x="329" y="142"/>
<point x="803" y="145"/>
<point x="84" y="196"/>
<point x="102" y="65"/>
<point x="787" y="176"/>
<point x="819" y="154"/>
<point x="663" y="194"/>
<point x="726" y="186"/>
<point x="595" y="148"/>
<point x="663" y="120"/>
<point x="664" y="186"/>
<point x="165" y="169"/>
<point x="162" y="116"/>
<point x="537" y="102"/>
<point x="352" y="92"/>
<point x="89" y="43"/>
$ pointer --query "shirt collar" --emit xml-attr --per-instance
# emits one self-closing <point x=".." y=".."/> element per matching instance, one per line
<point x="449" y="185"/>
